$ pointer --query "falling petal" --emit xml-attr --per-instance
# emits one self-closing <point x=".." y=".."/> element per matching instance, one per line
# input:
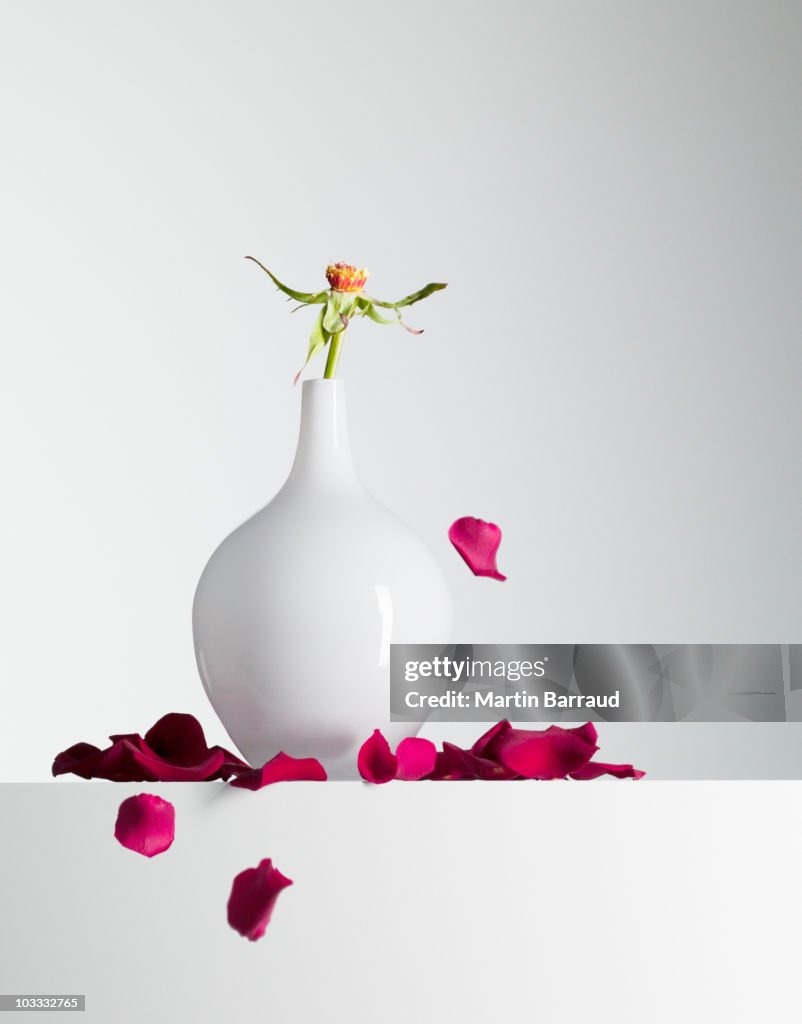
<point x="145" y="824"/>
<point x="253" y="897"/>
<point x="477" y="543"/>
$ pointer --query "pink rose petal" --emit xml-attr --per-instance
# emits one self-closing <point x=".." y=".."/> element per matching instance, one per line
<point x="595" y="769"/>
<point x="416" y="758"/>
<point x="145" y="824"/>
<point x="281" y="768"/>
<point x="253" y="897"/>
<point x="477" y="543"/>
<point x="376" y="762"/>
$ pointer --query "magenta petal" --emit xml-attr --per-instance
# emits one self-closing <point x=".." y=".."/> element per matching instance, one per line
<point x="587" y="732"/>
<point x="282" y="768"/>
<point x="253" y="897"/>
<point x="145" y="824"/>
<point x="416" y="758"/>
<point x="595" y="769"/>
<point x="477" y="543"/>
<point x="550" y="754"/>
<point x="376" y="762"/>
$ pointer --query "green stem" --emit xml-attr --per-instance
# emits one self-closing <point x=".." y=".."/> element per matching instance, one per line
<point x="334" y="355"/>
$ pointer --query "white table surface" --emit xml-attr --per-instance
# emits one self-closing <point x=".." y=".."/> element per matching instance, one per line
<point x="628" y="902"/>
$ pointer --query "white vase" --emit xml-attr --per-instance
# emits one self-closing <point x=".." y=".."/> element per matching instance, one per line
<point x="296" y="610"/>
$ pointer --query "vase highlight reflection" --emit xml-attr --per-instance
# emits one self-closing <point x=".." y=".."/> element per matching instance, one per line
<point x="296" y="610"/>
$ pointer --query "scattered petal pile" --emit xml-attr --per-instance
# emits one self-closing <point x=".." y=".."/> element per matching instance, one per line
<point x="174" y="750"/>
<point x="477" y="543"/>
<point x="253" y="897"/>
<point x="145" y="824"/>
<point x="502" y="753"/>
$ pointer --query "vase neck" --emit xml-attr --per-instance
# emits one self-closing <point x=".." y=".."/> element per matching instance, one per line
<point x="324" y="450"/>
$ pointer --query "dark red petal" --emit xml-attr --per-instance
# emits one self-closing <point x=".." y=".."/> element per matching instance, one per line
<point x="160" y="770"/>
<point x="376" y="762"/>
<point x="178" y="739"/>
<point x="595" y="769"/>
<point x="116" y="763"/>
<point x="253" y="897"/>
<point x="416" y="758"/>
<point x="145" y="824"/>
<point x="231" y="765"/>
<point x="551" y="754"/>
<point x="282" y="768"/>
<point x="69" y="759"/>
<point x="477" y="543"/>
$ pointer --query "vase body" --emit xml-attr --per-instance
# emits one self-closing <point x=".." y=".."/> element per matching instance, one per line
<point x="296" y="610"/>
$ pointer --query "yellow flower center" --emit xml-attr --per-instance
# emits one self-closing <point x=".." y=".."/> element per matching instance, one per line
<point x="342" y="277"/>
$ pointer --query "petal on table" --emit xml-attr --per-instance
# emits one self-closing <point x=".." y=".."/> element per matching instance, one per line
<point x="376" y="762"/>
<point x="281" y="768"/>
<point x="416" y="758"/>
<point x="595" y="769"/>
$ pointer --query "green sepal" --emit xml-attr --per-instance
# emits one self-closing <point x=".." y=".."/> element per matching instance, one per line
<point x="366" y="308"/>
<point x="308" y="298"/>
<point x="318" y="340"/>
<point x="339" y="309"/>
<point x="410" y="299"/>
